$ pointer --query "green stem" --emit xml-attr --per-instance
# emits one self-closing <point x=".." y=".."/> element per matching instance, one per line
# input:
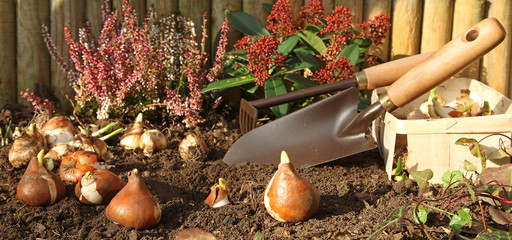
<point x="117" y="131"/>
<point x="104" y="129"/>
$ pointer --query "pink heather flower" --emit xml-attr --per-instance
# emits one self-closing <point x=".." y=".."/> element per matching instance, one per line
<point x="309" y="13"/>
<point x="334" y="71"/>
<point x="375" y="28"/>
<point x="36" y="101"/>
<point x="262" y="57"/>
<point x="221" y="50"/>
<point x="280" y="20"/>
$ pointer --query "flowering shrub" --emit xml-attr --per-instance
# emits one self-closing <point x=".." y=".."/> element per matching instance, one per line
<point x="41" y="106"/>
<point x="158" y="66"/>
<point x="314" y="49"/>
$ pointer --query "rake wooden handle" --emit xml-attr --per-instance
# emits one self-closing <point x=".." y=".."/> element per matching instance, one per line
<point x="444" y="63"/>
<point x="387" y="73"/>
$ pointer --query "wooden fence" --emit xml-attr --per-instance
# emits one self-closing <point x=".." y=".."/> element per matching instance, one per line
<point x="417" y="26"/>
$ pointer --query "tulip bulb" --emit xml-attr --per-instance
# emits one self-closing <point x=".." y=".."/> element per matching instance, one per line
<point x="151" y="141"/>
<point x="219" y="195"/>
<point x="38" y="185"/>
<point x="75" y="165"/>
<point x="98" y="187"/>
<point x="134" y="206"/>
<point x="288" y="197"/>
<point x="131" y="138"/>
<point x="92" y="144"/>
<point x="58" y="130"/>
<point x="193" y="148"/>
<point x="26" y="147"/>
<point x="58" y="152"/>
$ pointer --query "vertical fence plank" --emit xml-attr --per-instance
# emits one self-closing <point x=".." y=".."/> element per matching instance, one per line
<point x="296" y="7"/>
<point x="64" y="13"/>
<point x="138" y="5"/>
<point x="496" y="64"/>
<point x="194" y="10"/>
<point x="162" y="8"/>
<point x="93" y="14"/>
<point x="437" y="24"/>
<point x="467" y="13"/>
<point x="219" y="8"/>
<point x="355" y="7"/>
<point x="33" y="59"/>
<point x="328" y="6"/>
<point x="371" y="9"/>
<point x="7" y="52"/>
<point x="406" y="28"/>
<point x="255" y="9"/>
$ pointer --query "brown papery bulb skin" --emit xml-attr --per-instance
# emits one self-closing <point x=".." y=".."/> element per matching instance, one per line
<point x="219" y="195"/>
<point x="98" y="187"/>
<point x="92" y="144"/>
<point x="58" y="130"/>
<point x="152" y="141"/>
<point x="26" y="147"/>
<point x="290" y="198"/>
<point x="193" y="148"/>
<point x="76" y="164"/>
<point x="134" y="206"/>
<point x="131" y="138"/>
<point x="39" y="186"/>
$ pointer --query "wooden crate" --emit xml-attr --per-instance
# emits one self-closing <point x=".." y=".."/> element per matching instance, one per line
<point x="431" y="142"/>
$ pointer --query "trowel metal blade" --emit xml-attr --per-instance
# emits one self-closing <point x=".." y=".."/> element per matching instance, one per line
<point x="310" y="136"/>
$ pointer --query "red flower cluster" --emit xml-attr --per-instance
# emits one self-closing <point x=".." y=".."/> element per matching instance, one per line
<point x="280" y="20"/>
<point x="334" y="71"/>
<point x="310" y="12"/>
<point x="376" y="28"/>
<point x="339" y="22"/>
<point x="262" y="57"/>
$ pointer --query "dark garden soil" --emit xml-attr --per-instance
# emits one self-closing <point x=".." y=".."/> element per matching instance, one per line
<point x="356" y="196"/>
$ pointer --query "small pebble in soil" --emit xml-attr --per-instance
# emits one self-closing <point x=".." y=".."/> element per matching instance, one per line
<point x="228" y="220"/>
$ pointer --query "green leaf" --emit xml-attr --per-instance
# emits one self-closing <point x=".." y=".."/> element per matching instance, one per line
<point x="311" y="40"/>
<point x="287" y="45"/>
<point x="296" y="66"/>
<point x="398" y="168"/>
<point x="48" y="163"/>
<point x="307" y="56"/>
<point x="363" y="42"/>
<point x="468" y="166"/>
<point x="313" y="28"/>
<point x="247" y="24"/>
<point x="474" y="147"/>
<point x="301" y="80"/>
<point x="449" y="178"/>
<point x="495" y="234"/>
<point x="228" y="83"/>
<point x="351" y="52"/>
<point x="394" y="219"/>
<point x="422" y="177"/>
<point x="421" y="215"/>
<point x="460" y="220"/>
<point x="274" y="86"/>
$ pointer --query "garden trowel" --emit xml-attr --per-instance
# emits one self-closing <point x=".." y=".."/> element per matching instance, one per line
<point x="332" y="128"/>
<point x="370" y="78"/>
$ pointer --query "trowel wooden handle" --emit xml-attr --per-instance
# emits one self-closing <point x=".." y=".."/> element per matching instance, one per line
<point x="387" y="73"/>
<point x="445" y="62"/>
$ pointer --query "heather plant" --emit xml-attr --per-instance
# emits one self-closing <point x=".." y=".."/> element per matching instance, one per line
<point x="156" y="67"/>
<point x="289" y="55"/>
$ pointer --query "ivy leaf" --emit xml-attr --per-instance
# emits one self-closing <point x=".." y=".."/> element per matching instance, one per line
<point x="422" y="177"/>
<point x="474" y="147"/>
<point x="287" y="45"/>
<point x="274" y="86"/>
<point x="495" y="234"/>
<point x="228" y="83"/>
<point x="468" y="166"/>
<point x="450" y="179"/>
<point x="313" y="41"/>
<point x="421" y="215"/>
<point x="460" y="220"/>
<point x="247" y="24"/>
